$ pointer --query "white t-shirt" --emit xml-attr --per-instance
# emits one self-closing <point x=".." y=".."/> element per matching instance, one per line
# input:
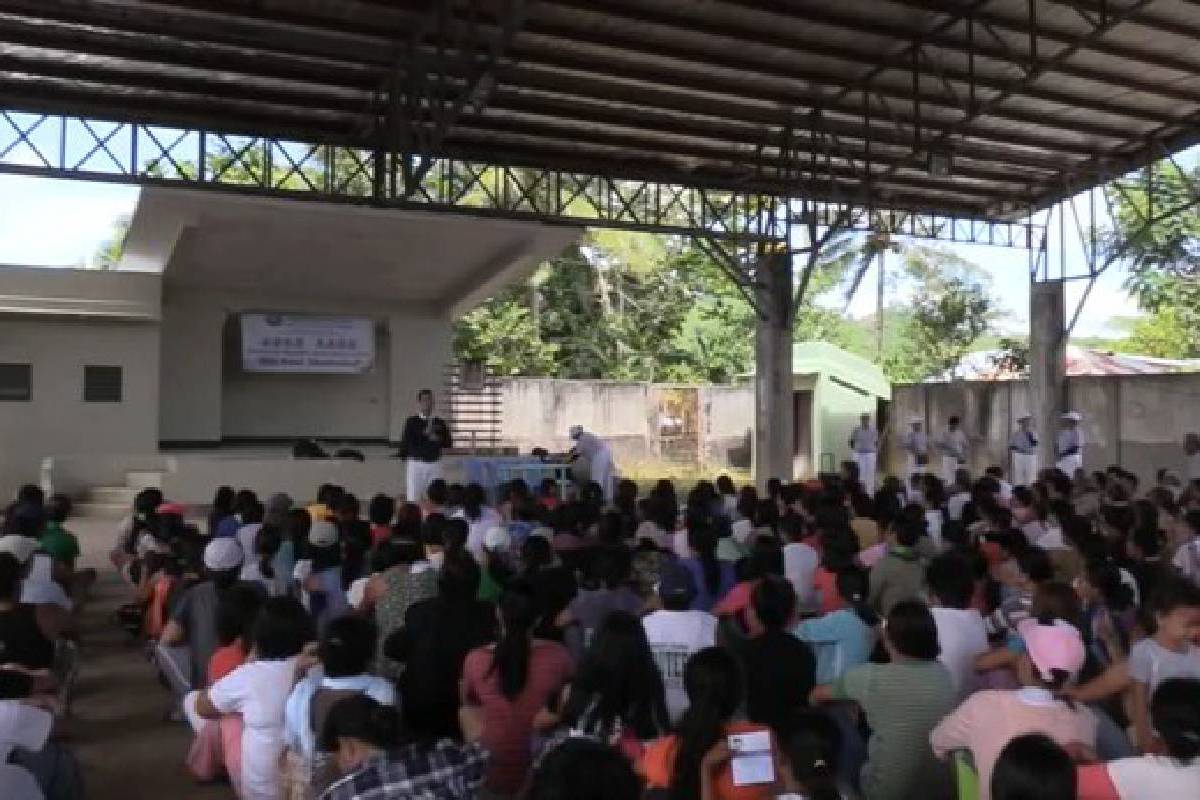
<point x="258" y="691"/>
<point x="1154" y="778"/>
<point x="956" y="503"/>
<point x="1187" y="560"/>
<point x="1151" y="663"/>
<point x="22" y="726"/>
<point x="17" y="784"/>
<point x="933" y="521"/>
<point x="40" y="588"/>
<point x="246" y="535"/>
<point x="674" y="636"/>
<point x="477" y="529"/>
<point x="962" y="636"/>
<point x="799" y="563"/>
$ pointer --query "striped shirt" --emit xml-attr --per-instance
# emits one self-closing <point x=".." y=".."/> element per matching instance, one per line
<point x="903" y="703"/>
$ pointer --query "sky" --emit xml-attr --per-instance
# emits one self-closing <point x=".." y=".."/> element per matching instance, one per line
<point x="49" y="222"/>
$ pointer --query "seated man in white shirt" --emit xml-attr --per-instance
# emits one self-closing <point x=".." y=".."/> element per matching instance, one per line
<point x="962" y="633"/>
<point x="960" y="495"/>
<point x="675" y="633"/>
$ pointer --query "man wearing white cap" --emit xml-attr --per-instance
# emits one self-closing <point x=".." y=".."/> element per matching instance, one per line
<point x="864" y="444"/>
<point x="953" y="445"/>
<point x="1070" y="444"/>
<point x="1023" y="445"/>
<point x="190" y="637"/>
<point x="594" y="455"/>
<point x="916" y="449"/>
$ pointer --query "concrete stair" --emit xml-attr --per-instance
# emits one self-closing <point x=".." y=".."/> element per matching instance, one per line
<point x="114" y="502"/>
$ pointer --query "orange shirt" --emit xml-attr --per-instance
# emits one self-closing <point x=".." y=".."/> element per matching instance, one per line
<point x="156" y="612"/>
<point x="225" y="660"/>
<point x="657" y="767"/>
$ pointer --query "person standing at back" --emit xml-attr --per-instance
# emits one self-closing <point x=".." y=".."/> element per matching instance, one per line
<point x="916" y="449"/>
<point x="864" y="444"/>
<point x="1069" y="450"/>
<point x="424" y="438"/>
<point x="953" y="445"/>
<point x="1023" y="445"/>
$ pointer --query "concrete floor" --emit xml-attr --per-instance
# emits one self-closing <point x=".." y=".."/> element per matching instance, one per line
<point x="117" y="730"/>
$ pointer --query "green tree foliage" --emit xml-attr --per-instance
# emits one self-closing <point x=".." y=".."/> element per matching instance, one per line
<point x="1162" y="259"/>
<point x="633" y="307"/>
<point x="108" y="252"/>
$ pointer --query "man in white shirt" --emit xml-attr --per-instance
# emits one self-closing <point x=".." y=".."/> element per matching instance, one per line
<point x="1070" y="443"/>
<point x="960" y="495"/>
<point x="954" y="449"/>
<point x="1023" y="444"/>
<point x="800" y="562"/>
<point x="676" y="633"/>
<point x="26" y="728"/>
<point x="864" y="444"/>
<point x="961" y="631"/>
<point x="594" y="454"/>
<point x="916" y="449"/>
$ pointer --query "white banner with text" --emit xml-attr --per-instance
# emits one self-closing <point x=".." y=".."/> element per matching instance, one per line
<point x="303" y="344"/>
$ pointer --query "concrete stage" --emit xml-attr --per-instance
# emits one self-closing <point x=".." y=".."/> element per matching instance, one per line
<point x="164" y="329"/>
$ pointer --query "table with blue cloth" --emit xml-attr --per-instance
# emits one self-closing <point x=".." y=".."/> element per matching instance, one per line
<point x="492" y="472"/>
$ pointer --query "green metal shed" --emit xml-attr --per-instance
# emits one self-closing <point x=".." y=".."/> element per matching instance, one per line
<point x="831" y="389"/>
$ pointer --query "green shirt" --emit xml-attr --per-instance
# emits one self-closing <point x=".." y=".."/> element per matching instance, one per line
<point x="60" y="544"/>
<point x="903" y="702"/>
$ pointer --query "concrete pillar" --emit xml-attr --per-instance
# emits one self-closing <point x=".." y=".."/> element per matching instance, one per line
<point x="1047" y="363"/>
<point x="774" y="429"/>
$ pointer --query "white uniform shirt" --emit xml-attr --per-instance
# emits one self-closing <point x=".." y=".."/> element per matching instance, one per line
<point x="954" y="444"/>
<point x="1070" y="441"/>
<point x="1024" y="442"/>
<point x="915" y="442"/>
<point x="864" y="440"/>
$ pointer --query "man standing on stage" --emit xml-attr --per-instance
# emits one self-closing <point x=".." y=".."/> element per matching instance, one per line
<point x="595" y="457"/>
<point x="954" y="450"/>
<point x="1023" y="445"/>
<point x="425" y="437"/>
<point x="864" y="444"/>
<point x="916" y="450"/>
<point x="1070" y="445"/>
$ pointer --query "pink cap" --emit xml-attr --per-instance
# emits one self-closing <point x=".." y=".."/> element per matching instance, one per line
<point x="1053" y="647"/>
<point x="178" y="509"/>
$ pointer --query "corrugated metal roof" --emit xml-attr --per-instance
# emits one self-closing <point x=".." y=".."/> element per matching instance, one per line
<point x="1033" y="100"/>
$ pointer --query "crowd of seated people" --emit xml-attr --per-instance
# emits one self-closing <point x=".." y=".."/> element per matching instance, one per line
<point x="817" y="640"/>
<point x="42" y="591"/>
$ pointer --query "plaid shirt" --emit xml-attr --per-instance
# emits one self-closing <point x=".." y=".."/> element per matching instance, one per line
<point x="445" y="771"/>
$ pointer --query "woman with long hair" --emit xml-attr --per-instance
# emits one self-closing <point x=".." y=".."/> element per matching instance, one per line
<point x="505" y="685"/>
<point x="680" y="764"/>
<point x="617" y="694"/>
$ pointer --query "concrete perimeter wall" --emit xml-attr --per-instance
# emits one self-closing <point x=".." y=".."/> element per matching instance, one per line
<point x="1137" y="421"/>
<point x="538" y="413"/>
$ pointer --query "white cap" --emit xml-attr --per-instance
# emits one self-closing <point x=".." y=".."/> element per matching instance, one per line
<point x="544" y="532"/>
<point x="497" y="539"/>
<point x="19" y="547"/>
<point x="323" y="534"/>
<point x="1074" y="416"/>
<point x="915" y="421"/>
<point x="575" y="432"/>
<point x="1024" y="417"/>
<point x="223" y="554"/>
